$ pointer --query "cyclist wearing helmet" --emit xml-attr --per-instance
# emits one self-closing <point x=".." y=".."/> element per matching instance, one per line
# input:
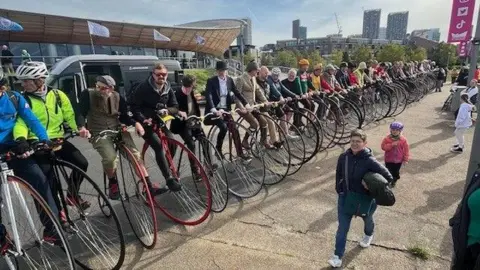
<point x="53" y="109"/>
<point x="305" y="84"/>
<point x="14" y="108"/>
<point x="302" y="74"/>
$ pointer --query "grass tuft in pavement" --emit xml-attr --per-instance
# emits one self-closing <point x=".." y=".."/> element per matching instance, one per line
<point x="419" y="252"/>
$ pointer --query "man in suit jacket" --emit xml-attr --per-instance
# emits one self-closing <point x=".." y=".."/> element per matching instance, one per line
<point x="247" y="85"/>
<point x="187" y="106"/>
<point x="220" y="94"/>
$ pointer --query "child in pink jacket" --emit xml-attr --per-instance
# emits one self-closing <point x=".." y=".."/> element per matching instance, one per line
<point x="397" y="150"/>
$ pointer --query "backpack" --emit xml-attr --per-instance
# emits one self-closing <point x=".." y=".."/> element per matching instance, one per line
<point x="57" y="98"/>
<point x="14" y="99"/>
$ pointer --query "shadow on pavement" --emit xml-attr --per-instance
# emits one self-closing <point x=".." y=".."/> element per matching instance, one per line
<point x="441" y="198"/>
<point x="416" y="166"/>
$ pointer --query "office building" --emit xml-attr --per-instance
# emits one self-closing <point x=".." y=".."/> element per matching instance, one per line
<point x="371" y="23"/>
<point x="355" y="36"/>
<point x="246" y="33"/>
<point x="397" y="24"/>
<point x="382" y="33"/>
<point x="326" y="45"/>
<point x="303" y="32"/>
<point x="431" y="34"/>
<point x="296" y="29"/>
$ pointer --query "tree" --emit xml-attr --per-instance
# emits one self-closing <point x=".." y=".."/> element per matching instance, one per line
<point x="416" y="54"/>
<point x="346" y="57"/>
<point x="336" y="57"/>
<point x="285" y="59"/>
<point x="247" y="58"/>
<point x="391" y="53"/>
<point x="362" y="54"/>
<point x="266" y="60"/>
<point x="444" y="54"/>
<point x="315" y="58"/>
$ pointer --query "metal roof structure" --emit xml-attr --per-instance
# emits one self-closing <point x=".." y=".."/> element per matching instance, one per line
<point x="61" y="65"/>
<point x="218" y="34"/>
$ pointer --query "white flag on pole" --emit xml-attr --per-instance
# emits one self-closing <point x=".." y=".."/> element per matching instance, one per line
<point x="159" y="37"/>
<point x="98" y="29"/>
<point x="199" y="39"/>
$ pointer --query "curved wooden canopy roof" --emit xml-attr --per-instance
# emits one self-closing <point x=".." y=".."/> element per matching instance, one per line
<point x="218" y="34"/>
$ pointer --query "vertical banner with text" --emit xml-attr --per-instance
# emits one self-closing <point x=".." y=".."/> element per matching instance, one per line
<point x="463" y="48"/>
<point x="461" y="20"/>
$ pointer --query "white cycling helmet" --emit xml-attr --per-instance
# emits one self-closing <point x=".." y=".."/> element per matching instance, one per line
<point x="32" y="71"/>
<point x="276" y="71"/>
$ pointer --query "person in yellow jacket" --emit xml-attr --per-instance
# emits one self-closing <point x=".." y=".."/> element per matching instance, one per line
<point x="316" y="76"/>
<point x="361" y="74"/>
<point x="53" y="108"/>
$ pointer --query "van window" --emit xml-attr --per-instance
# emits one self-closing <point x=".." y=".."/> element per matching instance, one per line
<point x="92" y="71"/>
<point x="71" y="85"/>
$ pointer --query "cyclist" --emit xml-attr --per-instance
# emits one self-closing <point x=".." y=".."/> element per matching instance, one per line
<point x="342" y="76"/>
<point x="153" y="96"/>
<point x="248" y="87"/>
<point x="315" y="77"/>
<point x="379" y="73"/>
<point x="360" y="74"/>
<point x="105" y="109"/>
<point x="329" y="82"/>
<point x="12" y="108"/>
<point x="305" y="83"/>
<point x="220" y="94"/>
<point x="187" y="106"/>
<point x="270" y="96"/>
<point x="53" y="109"/>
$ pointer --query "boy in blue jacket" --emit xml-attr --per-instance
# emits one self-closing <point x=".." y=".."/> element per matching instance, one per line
<point x="360" y="162"/>
<point x="12" y="106"/>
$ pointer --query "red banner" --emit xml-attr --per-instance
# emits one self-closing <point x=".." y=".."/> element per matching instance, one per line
<point x="461" y="20"/>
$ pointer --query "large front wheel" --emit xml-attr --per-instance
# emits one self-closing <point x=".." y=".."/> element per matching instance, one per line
<point x="136" y="199"/>
<point x="192" y="204"/>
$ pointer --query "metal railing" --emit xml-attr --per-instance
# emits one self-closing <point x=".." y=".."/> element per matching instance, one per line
<point x="188" y="63"/>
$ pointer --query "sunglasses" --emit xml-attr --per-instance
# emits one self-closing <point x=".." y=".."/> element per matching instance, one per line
<point x="100" y="87"/>
<point x="158" y="74"/>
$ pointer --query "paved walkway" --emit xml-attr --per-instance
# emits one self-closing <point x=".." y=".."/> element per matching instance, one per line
<point x="292" y="225"/>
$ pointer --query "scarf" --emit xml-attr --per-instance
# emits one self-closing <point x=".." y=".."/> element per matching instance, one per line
<point x="41" y="93"/>
<point x="395" y="138"/>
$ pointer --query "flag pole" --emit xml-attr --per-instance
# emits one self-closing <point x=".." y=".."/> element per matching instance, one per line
<point x="196" y="53"/>
<point x="91" y="43"/>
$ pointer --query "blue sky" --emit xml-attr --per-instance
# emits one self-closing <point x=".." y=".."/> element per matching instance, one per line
<point x="271" y="19"/>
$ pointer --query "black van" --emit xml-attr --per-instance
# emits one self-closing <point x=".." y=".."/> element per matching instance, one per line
<point x="76" y="73"/>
